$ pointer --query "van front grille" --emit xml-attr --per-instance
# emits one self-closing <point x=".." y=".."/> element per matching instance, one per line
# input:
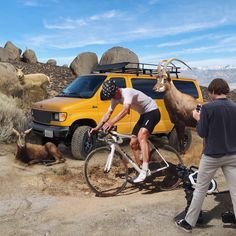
<point x="42" y="116"/>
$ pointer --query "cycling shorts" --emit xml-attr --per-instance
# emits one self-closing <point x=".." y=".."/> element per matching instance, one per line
<point x="147" y="120"/>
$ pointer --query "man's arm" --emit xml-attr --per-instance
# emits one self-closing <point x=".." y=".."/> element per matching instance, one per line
<point x="104" y="119"/>
<point x="202" y="122"/>
<point x="125" y="110"/>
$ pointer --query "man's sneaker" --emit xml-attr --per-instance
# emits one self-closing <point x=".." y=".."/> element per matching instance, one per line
<point x="184" y="225"/>
<point x="141" y="177"/>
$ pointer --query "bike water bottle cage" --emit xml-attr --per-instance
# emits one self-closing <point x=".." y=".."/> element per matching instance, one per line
<point x="193" y="179"/>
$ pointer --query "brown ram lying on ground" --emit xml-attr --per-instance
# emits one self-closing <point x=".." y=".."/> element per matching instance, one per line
<point x="178" y="104"/>
<point x="29" y="153"/>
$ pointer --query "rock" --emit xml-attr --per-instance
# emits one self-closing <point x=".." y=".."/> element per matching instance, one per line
<point x="13" y="52"/>
<point x="4" y="56"/>
<point x="119" y="54"/>
<point x="84" y="63"/>
<point x="29" y="56"/>
<point x="52" y="62"/>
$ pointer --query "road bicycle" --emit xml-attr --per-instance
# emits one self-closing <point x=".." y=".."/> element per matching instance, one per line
<point x="108" y="169"/>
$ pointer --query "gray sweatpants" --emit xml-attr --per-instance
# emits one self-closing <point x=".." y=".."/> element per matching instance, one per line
<point x="207" y="169"/>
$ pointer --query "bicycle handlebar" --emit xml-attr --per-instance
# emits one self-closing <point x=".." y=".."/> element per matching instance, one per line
<point x="115" y="136"/>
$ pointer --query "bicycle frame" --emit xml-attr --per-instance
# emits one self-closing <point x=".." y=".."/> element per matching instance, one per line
<point x="117" y="138"/>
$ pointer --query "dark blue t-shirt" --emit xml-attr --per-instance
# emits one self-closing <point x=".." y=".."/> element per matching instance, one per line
<point x="217" y="125"/>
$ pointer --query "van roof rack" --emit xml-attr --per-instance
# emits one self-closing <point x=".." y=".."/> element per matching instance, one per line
<point x="133" y="68"/>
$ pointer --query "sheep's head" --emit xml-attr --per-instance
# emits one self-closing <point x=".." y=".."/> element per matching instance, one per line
<point x="20" y="74"/>
<point x="163" y="83"/>
<point x="163" y="76"/>
<point x="21" y="137"/>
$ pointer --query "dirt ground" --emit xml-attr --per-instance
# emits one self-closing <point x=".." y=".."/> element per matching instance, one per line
<point x="39" y="200"/>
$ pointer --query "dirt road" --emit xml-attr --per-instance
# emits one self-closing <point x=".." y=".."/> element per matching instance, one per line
<point x="39" y="200"/>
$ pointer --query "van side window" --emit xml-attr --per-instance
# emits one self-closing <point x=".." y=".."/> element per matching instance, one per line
<point x="120" y="82"/>
<point x="146" y="86"/>
<point x="187" y="87"/>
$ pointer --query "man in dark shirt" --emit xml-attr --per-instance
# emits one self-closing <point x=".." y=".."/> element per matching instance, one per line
<point x="217" y="125"/>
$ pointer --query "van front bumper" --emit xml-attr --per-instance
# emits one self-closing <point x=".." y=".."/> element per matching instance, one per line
<point x="53" y="132"/>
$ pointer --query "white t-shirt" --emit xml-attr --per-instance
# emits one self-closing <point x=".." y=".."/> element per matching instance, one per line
<point x="139" y="101"/>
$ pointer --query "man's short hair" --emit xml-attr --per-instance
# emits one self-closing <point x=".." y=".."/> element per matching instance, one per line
<point x="218" y="86"/>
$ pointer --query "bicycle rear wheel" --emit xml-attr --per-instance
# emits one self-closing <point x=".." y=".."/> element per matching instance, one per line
<point x="102" y="183"/>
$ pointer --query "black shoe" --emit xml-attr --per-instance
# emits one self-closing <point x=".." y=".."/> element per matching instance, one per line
<point x="184" y="225"/>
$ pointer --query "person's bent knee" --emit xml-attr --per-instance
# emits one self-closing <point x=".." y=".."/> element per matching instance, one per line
<point x="134" y="144"/>
<point x="143" y="135"/>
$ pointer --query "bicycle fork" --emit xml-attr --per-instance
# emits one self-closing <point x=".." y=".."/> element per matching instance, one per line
<point x="109" y="159"/>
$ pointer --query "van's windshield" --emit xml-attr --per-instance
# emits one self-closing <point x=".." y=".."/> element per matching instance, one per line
<point x="83" y="86"/>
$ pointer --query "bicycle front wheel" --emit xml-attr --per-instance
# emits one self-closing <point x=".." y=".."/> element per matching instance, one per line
<point x="105" y="183"/>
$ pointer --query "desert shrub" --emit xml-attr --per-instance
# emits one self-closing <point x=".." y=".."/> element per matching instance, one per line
<point x="9" y="83"/>
<point x="10" y="116"/>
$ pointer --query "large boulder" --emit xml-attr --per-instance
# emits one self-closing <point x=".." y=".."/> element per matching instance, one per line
<point x="13" y="52"/>
<point x="52" y="62"/>
<point x="4" y="56"/>
<point x="84" y="63"/>
<point x="9" y="83"/>
<point x="118" y="54"/>
<point x="29" y="56"/>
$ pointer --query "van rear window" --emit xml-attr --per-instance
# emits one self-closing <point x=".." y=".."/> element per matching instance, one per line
<point x="146" y="86"/>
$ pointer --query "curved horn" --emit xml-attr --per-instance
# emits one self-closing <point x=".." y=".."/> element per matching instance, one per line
<point x="28" y="131"/>
<point x="16" y="132"/>
<point x="160" y="65"/>
<point x="175" y="59"/>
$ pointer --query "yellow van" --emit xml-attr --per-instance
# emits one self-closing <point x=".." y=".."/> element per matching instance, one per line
<point x="80" y="106"/>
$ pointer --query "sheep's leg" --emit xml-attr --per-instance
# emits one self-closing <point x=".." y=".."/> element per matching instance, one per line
<point x="55" y="162"/>
<point x="180" y="129"/>
<point x="35" y="161"/>
<point x="53" y="151"/>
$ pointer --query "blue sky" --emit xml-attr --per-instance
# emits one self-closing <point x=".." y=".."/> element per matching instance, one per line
<point x="200" y="32"/>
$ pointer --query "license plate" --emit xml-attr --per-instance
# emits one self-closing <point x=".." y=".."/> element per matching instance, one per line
<point x="48" y="133"/>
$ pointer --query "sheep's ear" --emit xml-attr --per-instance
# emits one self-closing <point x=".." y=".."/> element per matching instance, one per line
<point x="168" y="77"/>
<point x="16" y="132"/>
<point x="21" y="68"/>
<point x="28" y="131"/>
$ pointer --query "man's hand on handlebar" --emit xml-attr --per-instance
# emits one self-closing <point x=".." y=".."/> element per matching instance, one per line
<point x="107" y="126"/>
<point x="92" y="131"/>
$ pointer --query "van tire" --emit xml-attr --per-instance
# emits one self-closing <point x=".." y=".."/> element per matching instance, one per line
<point x="174" y="142"/>
<point x="81" y="143"/>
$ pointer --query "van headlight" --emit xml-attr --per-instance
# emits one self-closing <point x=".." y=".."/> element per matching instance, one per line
<point x="59" y="116"/>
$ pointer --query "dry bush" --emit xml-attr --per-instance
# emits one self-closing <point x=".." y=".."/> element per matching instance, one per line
<point x="10" y="116"/>
<point x="9" y="83"/>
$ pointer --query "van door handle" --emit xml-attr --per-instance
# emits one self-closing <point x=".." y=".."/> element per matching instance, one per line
<point x="94" y="106"/>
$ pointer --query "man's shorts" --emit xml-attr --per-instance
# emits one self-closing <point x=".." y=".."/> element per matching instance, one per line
<point x="147" y="120"/>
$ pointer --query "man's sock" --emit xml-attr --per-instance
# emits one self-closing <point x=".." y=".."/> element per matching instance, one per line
<point x="145" y="166"/>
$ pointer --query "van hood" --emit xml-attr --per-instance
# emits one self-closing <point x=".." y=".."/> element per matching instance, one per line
<point x="64" y="104"/>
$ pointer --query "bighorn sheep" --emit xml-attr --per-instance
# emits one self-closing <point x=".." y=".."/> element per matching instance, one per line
<point x="178" y="104"/>
<point x="31" y="80"/>
<point x="35" y="153"/>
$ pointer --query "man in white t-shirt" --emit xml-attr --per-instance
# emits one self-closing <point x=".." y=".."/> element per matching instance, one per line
<point x="149" y="117"/>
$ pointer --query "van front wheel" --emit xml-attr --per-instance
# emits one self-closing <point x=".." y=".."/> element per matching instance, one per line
<point x="81" y="143"/>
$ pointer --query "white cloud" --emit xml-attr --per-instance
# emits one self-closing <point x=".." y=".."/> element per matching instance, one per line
<point x="69" y="23"/>
<point x="153" y="2"/>
<point x="36" y="3"/>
